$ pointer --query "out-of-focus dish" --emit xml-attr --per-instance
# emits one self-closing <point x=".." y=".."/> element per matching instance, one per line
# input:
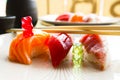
<point x="103" y="21"/>
<point x="6" y="22"/>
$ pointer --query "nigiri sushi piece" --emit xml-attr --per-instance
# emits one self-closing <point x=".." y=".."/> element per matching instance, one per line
<point x="77" y="18"/>
<point x="28" y="45"/>
<point x="59" y="46"/>
<point x="63" y="17"/>
<point x="95" y="52"/>
<point x="92" y="18"/>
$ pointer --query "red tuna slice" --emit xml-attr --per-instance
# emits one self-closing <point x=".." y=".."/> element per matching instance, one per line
<point x="95" y="50"/>
<point x="84" y="38"/>
<point x="59" y="45"/>
<point x="91" y="40"/>
<point x="63" y="17"/>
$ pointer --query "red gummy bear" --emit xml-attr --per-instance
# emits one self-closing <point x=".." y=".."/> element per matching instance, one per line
<point x="27" y="26"/>
<point x="59" y="45"/>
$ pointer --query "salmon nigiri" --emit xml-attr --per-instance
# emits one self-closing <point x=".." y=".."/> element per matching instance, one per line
<point x="77" y="18"/>
<point x="27" y="45"/>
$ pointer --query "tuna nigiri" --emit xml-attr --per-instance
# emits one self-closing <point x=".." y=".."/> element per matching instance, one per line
<point x="59" y="46"/>
<point x="95" y="52"/>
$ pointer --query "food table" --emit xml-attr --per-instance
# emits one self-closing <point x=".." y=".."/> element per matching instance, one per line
<point x="41" y="68"/>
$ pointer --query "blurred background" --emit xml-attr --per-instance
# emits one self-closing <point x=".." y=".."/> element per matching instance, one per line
<point x="100" y="7"/>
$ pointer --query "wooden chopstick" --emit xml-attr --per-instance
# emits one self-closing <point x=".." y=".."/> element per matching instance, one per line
<point x="91" y="27"/>
<point x="74" y="31"/>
